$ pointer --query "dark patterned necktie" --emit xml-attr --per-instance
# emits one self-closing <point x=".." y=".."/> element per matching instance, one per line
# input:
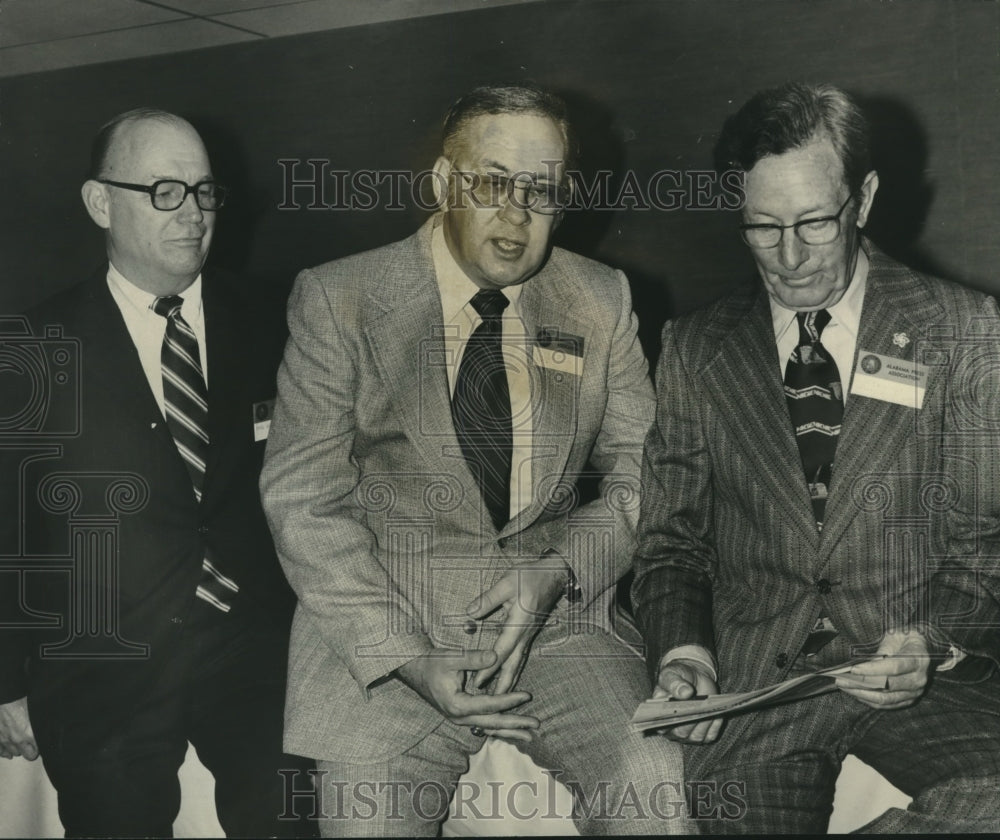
<point x="185" y="405"/>
<point x="816" y="404"/>
<point x="480" y="407"/>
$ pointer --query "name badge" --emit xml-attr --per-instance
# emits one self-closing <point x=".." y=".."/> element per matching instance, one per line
<point x="890" y="379"/>
<point x="262" y="413"/>
<point x="558" y="360"/>
<point x="558" y="351"/>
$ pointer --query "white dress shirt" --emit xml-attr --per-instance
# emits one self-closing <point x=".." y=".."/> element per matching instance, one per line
<point x="840" y="336"/>
<point x="147" y="328"/>
<point x="460" y="321"/>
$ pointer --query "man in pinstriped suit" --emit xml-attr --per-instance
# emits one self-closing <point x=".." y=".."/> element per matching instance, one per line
<point x="823" y="481"/>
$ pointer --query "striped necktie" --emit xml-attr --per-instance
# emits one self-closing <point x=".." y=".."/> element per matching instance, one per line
<point x="816" y="404"/>
<point x="480" y="407"/>
<point x="185" y="404"/>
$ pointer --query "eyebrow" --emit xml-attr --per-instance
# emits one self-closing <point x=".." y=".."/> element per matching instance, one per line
<point x="814" y="213"/>
<point x="175" y="178"/>
<point x="538" y="176"/>
<point x="492" y="164"/>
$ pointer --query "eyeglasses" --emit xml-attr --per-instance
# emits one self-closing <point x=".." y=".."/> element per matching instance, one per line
<point x="490" y="189"/>
<point x="819" y="231"/>
<point x="169" y="195"/>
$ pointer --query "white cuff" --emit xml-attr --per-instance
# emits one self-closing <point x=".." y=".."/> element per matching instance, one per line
<point x="954" y="657"/>
<point x="696" y="653"/>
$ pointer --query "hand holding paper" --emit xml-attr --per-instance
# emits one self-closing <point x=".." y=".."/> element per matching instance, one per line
<point x="688" y="680"/>
<point x="895" y="677"/>
<point x="661" y="711"/>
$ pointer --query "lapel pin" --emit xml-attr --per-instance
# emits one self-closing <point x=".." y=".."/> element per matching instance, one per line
<point x="901" y="339"/>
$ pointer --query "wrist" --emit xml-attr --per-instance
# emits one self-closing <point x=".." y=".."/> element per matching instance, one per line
<point x="692" y="655"/>
<point x="571" y="588"/>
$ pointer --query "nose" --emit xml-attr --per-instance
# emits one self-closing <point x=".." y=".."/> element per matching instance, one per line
<point x="792" y="251"/>
<point x="189" y="209"/>
<point x="514" y="207"/>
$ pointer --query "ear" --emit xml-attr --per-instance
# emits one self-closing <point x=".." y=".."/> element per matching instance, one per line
<point x="440" y="181"/>
<point x="95" y="199"/>
<point x="868" y="190"/>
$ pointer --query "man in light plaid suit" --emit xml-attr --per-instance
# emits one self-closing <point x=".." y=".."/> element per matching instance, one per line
<point x="821" y="482"/>
<point x="424" y="498"/>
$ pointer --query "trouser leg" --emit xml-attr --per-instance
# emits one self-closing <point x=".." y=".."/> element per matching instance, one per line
<point x="585" y="686"/>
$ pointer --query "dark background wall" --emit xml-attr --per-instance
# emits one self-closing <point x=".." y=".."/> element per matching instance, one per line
<point x="650" y="82"/>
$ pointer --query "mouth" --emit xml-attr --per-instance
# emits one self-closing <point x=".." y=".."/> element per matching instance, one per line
<point x="798" y="282"/>
<point x="508" y="248"/>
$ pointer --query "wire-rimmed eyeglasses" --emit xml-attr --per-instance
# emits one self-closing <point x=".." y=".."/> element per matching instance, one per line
<point x="821" y="230"/>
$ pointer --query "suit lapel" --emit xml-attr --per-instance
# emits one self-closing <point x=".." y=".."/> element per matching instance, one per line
<point x="408" y="343"/>
<point x="114" y="388"/>
<point x="873" y="430"/>
<point x="744" y="381"/>
<point x="109" y="350"/>
<point x="409" y="347"/>
<point x="546" y="310"/>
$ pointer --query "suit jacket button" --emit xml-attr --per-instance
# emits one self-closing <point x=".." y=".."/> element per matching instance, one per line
<point x="544" y="338"/>
<point x="470" y="627"/>
<point x="824" y="586"/>
<point x="502" y="542"/>
<point x="781" y="660"/>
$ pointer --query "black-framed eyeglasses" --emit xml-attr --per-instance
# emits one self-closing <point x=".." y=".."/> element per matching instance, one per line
<point x="169" y="195"/>
<point x="489" y="189"/>
<point x="821" y="230"/>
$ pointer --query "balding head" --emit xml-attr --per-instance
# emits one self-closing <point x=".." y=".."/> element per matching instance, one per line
<point x="159" y="251"/>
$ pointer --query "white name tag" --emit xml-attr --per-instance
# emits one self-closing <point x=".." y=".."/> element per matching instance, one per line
<point x="557" y="359"/>
<point x="890" y="379"/>
<point x="262" y="412"/>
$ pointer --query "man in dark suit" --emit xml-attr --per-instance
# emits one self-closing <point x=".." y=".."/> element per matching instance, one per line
<point x="439" y="400"/>
<point x="145" y="607"/>
<point x="822" y="482"/>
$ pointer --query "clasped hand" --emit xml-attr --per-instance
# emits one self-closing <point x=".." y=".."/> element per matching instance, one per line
<point x="529" y="591"/>
<point x="16" y="737"/>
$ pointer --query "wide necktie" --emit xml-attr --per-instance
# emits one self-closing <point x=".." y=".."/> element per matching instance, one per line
<point x="816" y="404"/>
<point x="185" y="404"/>
<point x="480" y="407"/>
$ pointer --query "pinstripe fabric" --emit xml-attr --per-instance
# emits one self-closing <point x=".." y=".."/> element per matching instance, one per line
<point x="185" y="404"/>
<point x="944" y="752"/>
<point x="480" y="406"/>
<point x="729" y="555"/>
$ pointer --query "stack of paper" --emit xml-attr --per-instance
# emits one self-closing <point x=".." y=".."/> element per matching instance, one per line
<point x="657" y="713"/>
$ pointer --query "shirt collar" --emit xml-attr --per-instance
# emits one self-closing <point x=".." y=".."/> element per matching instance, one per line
<point x="141" y="299"/>
<point x="456" y="289"/>
<point x="845" y="313"/>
